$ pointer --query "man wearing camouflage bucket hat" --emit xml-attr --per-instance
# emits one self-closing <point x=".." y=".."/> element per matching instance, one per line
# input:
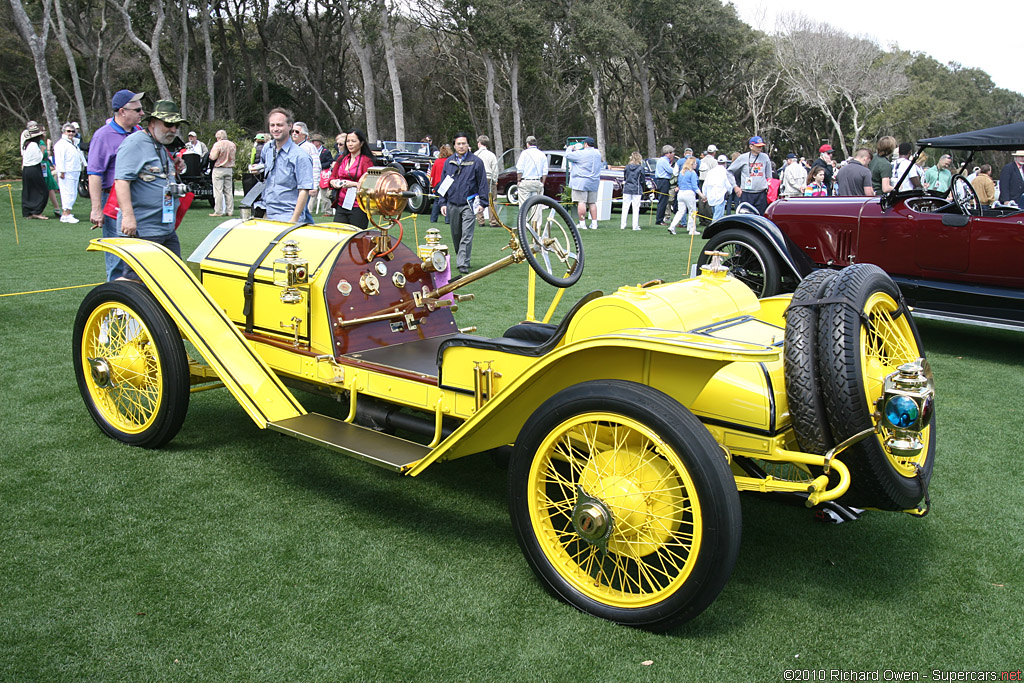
<point x="145" y="180"/>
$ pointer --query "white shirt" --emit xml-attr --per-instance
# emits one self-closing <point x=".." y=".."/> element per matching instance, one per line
<point x="198" y="147"/>
<point x="32" y="154"/>
<point x="716" y="185"/>
<point x="897" y="172"/>
<point x="309" y="148"/>
<point x="66" y="157"/>
<point x="794" y="180"/>
<point x="490" y="163"/>
<point x="532" y="164"/>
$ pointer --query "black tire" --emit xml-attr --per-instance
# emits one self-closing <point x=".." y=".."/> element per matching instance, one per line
<point x="563" y="253"/>
<point x="420" y="203"/>
<point x="803" y="387"/>
<point x="131" y="365"/>
<point x="398" y="167"/>
<point x="83" y="187"/>
<point x="672" y="532"/>
<point x="512" y="194"/>
<point x="750" y="260"/>
<point x="860" y="341"/>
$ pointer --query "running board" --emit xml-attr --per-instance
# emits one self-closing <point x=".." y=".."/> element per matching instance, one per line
<point x="378" y="448"/>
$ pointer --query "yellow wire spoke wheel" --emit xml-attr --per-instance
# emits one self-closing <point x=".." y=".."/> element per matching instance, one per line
<point x="624" y="505"/>
<point x="887" y="343"/>
<point x="130" y="364"/>
<point x="124" y="378"/>
<point x="865" y="335"/>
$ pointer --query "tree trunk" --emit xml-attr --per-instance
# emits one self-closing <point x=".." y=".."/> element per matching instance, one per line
<point x="185" y="51"/>
<point x="366" y="70"/>
<point x="208" y="48"/>
<point x="76" y="84"/>
<point x="492" y="106"/>
<point x="37" y="46"/>
<point x="644" y="76"/>
<point x="396" y="85"/>
<point x="151" y="50"/>
<point x="595" y="71"/>
<point x="517" y="110"/>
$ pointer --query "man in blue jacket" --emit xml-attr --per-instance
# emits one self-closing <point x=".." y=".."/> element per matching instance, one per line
<point x="463" y="180"/>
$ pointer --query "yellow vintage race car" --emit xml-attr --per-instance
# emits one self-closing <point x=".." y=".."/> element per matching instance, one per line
<point x="633" y="422"/>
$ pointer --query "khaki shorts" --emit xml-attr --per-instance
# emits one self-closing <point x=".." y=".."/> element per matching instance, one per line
<point x="585" y="197"/>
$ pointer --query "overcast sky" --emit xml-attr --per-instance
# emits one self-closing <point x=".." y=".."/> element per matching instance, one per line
<point x="984" y="35"/>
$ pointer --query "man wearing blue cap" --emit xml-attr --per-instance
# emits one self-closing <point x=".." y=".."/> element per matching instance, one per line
<point x="127" y="107"/>
<point x="749" y="174"/>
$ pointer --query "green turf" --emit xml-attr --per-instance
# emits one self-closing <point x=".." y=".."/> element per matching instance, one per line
<point x="236" y="554"/>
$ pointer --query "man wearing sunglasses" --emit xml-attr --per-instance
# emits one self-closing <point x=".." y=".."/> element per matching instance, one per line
<point x="128" y="112"/>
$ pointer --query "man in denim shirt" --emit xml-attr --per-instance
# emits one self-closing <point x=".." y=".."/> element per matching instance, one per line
<point x="143" y="175"/>
<point x="585" y="179"/>
<point x="663" y="180"/>
<point x="288" y="174"/>
<point x="463" y="179"/>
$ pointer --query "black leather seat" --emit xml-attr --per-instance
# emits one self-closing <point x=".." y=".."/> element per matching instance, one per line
<point x="526" y="339"/>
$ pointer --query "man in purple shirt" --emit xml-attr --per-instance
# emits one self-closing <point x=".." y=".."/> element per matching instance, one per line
<point x="102" y="153"/>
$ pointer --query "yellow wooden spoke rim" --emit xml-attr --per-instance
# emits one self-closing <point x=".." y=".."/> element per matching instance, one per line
<point x="122" y="367"/>
<point x="885" y="344"/>
<point x="601" y="468"/>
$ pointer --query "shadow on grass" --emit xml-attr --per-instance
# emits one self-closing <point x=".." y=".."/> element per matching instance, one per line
<point x="980" y="343"/>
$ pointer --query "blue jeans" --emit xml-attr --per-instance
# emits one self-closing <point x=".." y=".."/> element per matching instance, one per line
<point x="115" y="266"/>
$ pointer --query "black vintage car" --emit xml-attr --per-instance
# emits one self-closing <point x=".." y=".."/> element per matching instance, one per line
<point x="197" y="176"/>
<point x="413" y="161"/>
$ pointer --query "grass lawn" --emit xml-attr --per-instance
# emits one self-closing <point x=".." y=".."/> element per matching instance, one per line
<point x="236" y="554"/>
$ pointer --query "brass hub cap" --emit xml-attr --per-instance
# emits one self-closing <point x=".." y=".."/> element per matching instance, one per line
<point x="100" y="372"/>
<point x="592" y="519"/>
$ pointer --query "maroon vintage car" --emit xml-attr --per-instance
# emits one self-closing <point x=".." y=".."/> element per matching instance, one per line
<point x="507" y="188"/>
<point x="952" y="257"/>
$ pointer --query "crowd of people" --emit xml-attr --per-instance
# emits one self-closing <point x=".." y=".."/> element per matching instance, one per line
<point x="132" y="177"/>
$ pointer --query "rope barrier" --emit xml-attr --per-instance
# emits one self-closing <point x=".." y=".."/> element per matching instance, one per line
<point x="10" y="193"/>
<point x="52" y="289"/>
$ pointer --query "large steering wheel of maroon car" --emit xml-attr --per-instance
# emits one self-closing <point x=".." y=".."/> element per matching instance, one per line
<point x="965" y="197"/>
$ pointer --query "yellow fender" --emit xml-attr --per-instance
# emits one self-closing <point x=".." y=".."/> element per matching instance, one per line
<point x="677" y="363"/>
<point x="249" y="379"/>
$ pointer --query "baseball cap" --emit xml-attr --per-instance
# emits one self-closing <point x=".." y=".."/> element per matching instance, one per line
<point x="712" y="149"/>
<point x="192" y="134"/>
<point x="825" y="148"/>
<point x="722" y="159"/>
<point x="791" y="156"/>
<point x="590" y="141"/>
<point x="756" y="140"/>
<point x="123" y="97"/>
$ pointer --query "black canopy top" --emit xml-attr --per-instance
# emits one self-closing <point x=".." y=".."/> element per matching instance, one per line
<point x="1009" y="137"/>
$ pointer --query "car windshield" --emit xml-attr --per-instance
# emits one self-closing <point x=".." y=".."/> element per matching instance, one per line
<point x="410" y="147"/>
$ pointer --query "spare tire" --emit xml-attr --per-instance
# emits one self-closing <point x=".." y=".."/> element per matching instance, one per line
<point x="803" y="388"/>
<point x="865" y="334"/>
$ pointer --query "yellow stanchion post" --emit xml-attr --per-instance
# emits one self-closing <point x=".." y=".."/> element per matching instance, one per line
<point x="10" y="194"/>
<point x="689" y="257"/>
<point x="415" y="232"/>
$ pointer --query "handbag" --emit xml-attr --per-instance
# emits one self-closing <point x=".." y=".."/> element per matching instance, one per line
<point x="325" y="178"/>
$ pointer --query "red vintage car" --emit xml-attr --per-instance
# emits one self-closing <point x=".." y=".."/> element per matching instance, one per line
<point x="508" y="189"/>
<point x="952" y="257"/>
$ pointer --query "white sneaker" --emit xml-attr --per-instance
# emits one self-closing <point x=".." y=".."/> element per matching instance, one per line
<point x="636" y="227"/>
<point x="582" y="226"/>
<point x="593" y="226"/>
<point x="69" y="219"/>
<point x="63" y="218"/>
<point x="622" y="227"/>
